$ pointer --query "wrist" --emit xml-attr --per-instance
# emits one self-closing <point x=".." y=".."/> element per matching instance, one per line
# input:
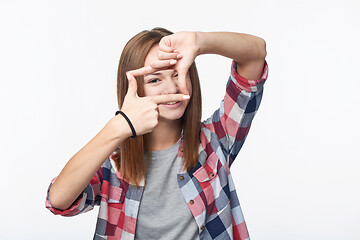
<point x="128" y="121"/>
<point x="119" y="126"/>
<point x="204" y="42"/>
<point x="199" y="43"/>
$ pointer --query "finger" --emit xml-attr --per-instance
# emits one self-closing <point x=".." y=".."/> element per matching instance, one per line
<point x="142" y="71"/>
<point x="161" y="64"/>
<point x="153" y="67"/>
<point x="166" y="48"/>
<point x="159" y="99"/>
<point x="165" y="55"/>
<point x="182" y="81"/>
<point x="132" y="88"/>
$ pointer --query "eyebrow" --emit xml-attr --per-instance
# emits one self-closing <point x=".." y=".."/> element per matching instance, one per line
<point x="157" y="73"/>
<point x="152" y="74"/>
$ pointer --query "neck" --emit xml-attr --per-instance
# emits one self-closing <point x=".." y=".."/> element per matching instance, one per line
<point x="165" y="134"/>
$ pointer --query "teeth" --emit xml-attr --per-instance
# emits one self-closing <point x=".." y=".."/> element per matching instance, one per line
<point x="170" y="103"/>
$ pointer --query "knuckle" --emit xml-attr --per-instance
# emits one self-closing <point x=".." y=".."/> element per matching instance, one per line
<point x="149" y="99"/>
<point x="153" y="105"/>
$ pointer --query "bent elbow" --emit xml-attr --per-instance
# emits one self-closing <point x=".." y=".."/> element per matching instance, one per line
<point x="262" y="48"/>
<point x="57" y="201"/>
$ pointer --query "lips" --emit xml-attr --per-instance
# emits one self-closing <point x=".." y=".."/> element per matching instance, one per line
<point x="172" y="104"/>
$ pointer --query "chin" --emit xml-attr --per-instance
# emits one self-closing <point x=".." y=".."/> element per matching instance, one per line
<point x="175" y="115"/>
<point x="171" y="117"/>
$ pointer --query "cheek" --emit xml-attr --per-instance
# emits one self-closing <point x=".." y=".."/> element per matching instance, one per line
<point x="150" y="91"/>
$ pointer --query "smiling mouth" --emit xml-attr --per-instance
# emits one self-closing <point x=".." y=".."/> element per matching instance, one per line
<point x="171" y="103"/>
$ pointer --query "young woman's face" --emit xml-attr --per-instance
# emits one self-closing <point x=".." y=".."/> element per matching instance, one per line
<point x="165" y="82"/>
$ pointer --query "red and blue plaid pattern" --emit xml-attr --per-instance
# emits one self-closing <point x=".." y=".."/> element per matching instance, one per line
<point x="208" y="189"/>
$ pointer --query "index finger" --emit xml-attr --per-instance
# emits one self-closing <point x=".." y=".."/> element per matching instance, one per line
<point x="142" y="71"/>
<point x="159" y="99"/>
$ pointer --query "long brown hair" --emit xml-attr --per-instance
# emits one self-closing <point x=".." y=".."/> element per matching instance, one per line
<point x="130" y="157"/>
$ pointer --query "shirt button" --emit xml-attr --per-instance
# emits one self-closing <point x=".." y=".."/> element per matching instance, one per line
<point x="181" y="177"/>
<point x="182" y="149"/>
<point x="191" y="202"/>
<point x="202" y="227"/>
<point x="212" y="174"/>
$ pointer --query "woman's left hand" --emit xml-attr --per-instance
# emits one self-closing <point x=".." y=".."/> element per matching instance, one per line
<point x="185" y="44"/>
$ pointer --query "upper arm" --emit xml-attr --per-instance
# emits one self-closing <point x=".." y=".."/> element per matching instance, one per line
<point x="232" y="121"/>
<point x="252" y="69"/>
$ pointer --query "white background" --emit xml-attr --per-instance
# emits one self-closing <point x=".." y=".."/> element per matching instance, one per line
<point x="297" y="176"/>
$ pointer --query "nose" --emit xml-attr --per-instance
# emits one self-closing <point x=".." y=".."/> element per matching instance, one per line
<point x="171" y="87"/>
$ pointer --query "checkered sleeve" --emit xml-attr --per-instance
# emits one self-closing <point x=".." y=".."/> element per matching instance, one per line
<point x="231" y="122"/>
<point x="86" y="201"/>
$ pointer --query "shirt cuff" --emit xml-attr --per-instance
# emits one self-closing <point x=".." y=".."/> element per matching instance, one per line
<point x="71" y="211"/>
<point x="245" y="84"/>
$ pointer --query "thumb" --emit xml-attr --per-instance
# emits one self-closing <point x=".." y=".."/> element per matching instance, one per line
<point x="132" y="88"/>
<point x="182" y="81"/>
<point x="165" y="45"/>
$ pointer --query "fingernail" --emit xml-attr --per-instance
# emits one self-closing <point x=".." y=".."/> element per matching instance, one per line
<point x="186" y="96"/>
<point x="179" y="55"/>
<point x="127" y="76"/>
<point x="172" y="61"/>
<point x="176" y="50"/>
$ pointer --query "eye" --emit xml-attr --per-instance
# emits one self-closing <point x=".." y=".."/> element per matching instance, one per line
<point x="154" y="80"/>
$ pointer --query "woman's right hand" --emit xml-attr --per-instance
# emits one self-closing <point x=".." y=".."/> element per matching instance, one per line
<point x="143" y="111"/>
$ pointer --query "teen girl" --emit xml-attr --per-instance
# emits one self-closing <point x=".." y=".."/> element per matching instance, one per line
<point x="158" y="138"/>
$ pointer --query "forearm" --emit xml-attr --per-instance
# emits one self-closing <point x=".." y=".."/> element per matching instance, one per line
<point x="81" y="168"/>
<point x="243" y="48"/>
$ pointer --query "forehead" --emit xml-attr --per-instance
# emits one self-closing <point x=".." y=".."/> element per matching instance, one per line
<point x="152" y="55"/>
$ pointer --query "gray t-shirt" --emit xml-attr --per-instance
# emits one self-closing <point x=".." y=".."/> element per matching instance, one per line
<point x="163" y="212"/>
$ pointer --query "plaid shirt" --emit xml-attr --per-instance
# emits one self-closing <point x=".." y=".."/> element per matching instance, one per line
<point x="208" y="189"/>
